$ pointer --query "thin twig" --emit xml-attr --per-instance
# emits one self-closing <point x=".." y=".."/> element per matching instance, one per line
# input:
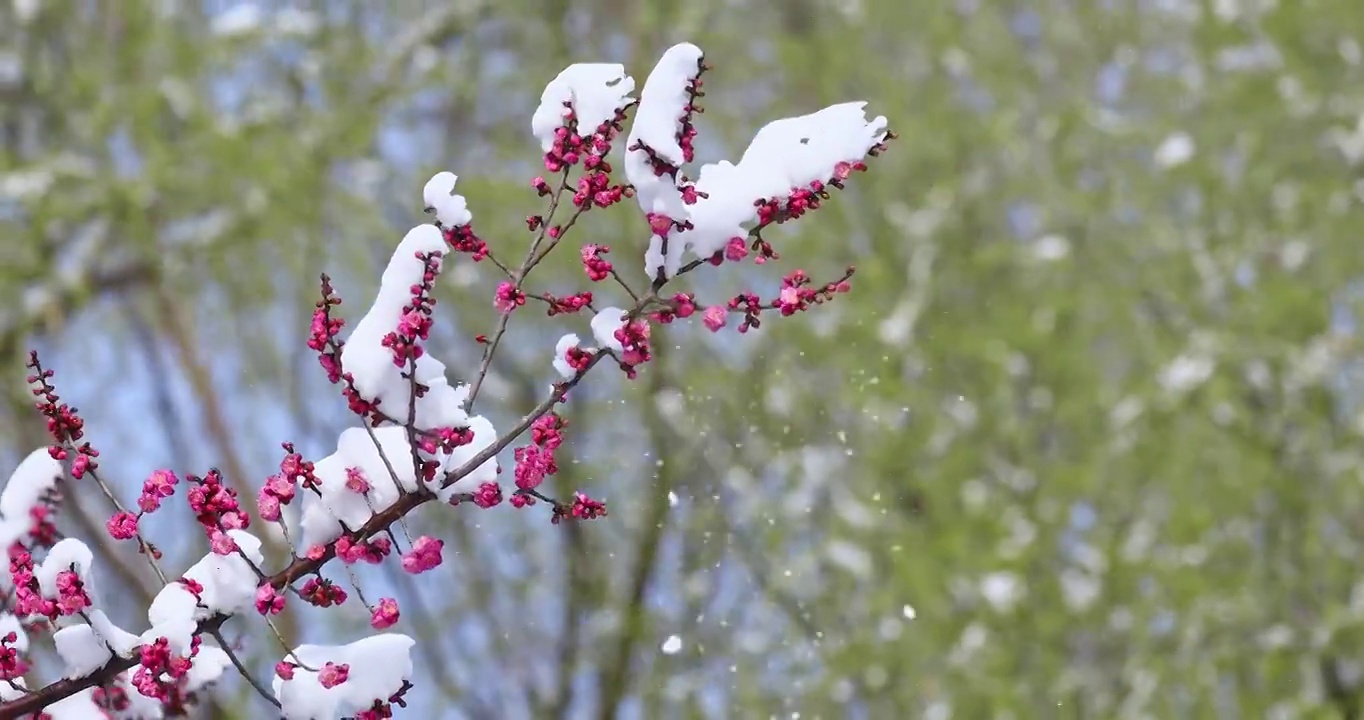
<point x="245" y="673"/>
<point x="520" y="278"/>
<point x="143" y="546"/>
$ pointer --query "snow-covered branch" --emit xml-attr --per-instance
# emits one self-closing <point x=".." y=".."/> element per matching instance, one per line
<point x="416" y="441"/>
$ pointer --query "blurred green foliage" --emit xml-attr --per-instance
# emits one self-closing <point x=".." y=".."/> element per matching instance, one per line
<point x="1083" y="442"/>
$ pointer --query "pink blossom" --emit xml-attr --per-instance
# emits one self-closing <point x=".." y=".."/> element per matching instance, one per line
<point x="268" y="601"/>
<point x="736" y="249"/>
<point x="425" y="555"/>
<point x="282" y="485"/>
<point x="160" y="484"/>
<point x="488" y="495"/>
<point x="385" y="614"/>
<point x="222" y="543"/>
<point x="332" y="675"/>
<point x="714" y="317"/>
<point x="533" y="463"/>
<point x="508" y="297"/>
<point x="684" y="304"/>
<point x="355" y="481"/>
<point x="71" y="596"/>
<point x="322" y="593"/>
<point x="267" y="504"/>
<point x="598" y="268"/>
<point x="123" y="526"/>
<point x="660" y="224"/>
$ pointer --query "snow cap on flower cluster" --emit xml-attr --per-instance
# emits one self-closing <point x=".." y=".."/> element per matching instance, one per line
<point x="66" y="555"/>
<point x="378" y="667"/>
<point x="658" y="121"/>
<point x="34" y="478"/>
<point x="605" y="325"/>
<point x="439" y="196"/>
<point x="561" y="349"/>
<point x="663" y="102"/>
<point x="229" y="587"/>
<point x="10" y="624"/>
<point x="596" y="92"/>
<point x="785" y="155"/>
<point x="337" y="501"/>
<point x="371" y="365"/>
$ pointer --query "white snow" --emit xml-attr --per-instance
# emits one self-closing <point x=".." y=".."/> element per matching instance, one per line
<point x="141" y="707"/>
<point x="561" y="348"/>
<point x="440" y="198"/>
<point x="86" y="648"/>
<point x="663" y="102"/>
<point x="35" y="476"/>
<point x="229" y="581"/>
<point x="173" y="615"/>
<point x="596" y="91"/>
<point x="208" y="666"/>
<point x="376" y="377"/>
<point x="605" y="325"/>
<point x="784" y="155"/>
<point x="355" y="449"/>
<point x="323" y="516"/>
<point x="484" y="436"/>
<point x="1175" y="150"/>
<point x="657" y="125"/>
<point x="80" y="706"/>
<point x="63" y="556"/>
<point x="10" y="624"/>
<point x="229" y="587"/>
<point x="378" y="667"/>
<point x="81" y="649"/>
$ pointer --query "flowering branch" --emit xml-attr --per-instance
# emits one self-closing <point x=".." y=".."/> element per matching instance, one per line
<point x="417" y="442"/>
